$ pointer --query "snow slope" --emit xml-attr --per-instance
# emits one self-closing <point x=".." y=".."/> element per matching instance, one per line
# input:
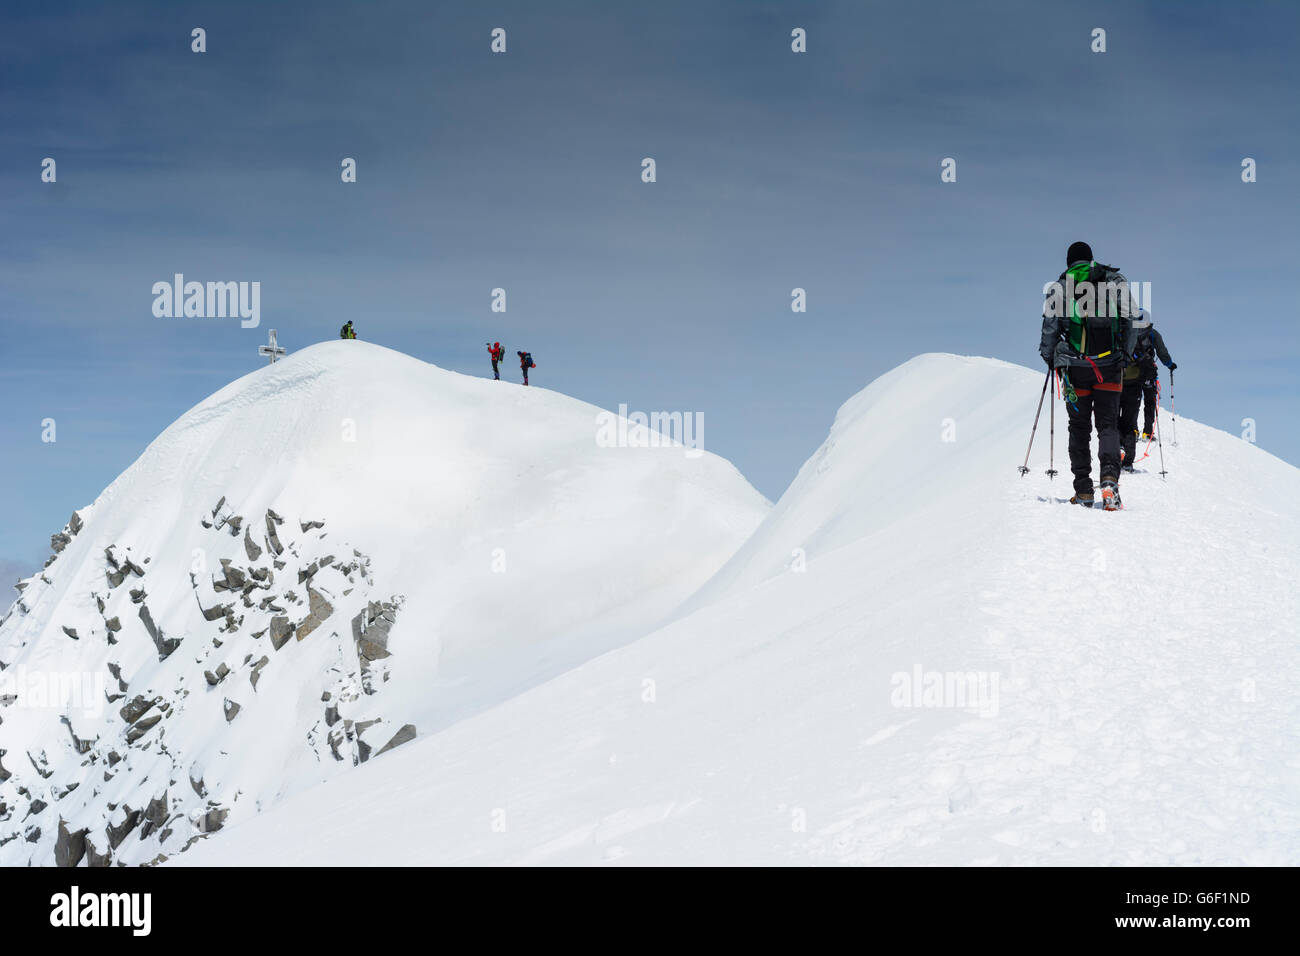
<point x="376" y="543"/>
<point x="1131" y="691"/>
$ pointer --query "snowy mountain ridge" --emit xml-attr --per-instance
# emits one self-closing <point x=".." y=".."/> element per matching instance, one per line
<point x="956" y="667"/>
<point x="915" y="656"/>
<point x="313" y="566"/>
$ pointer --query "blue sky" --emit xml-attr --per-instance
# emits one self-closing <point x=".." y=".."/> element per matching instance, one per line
<point x="522" y="171"/>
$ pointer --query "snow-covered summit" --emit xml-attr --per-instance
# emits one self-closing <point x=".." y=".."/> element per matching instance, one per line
<point x="327" y="557"/>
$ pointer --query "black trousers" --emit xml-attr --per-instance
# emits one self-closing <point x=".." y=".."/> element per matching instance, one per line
<point x="495" y="372"/>
<point x="1150" y="378"/>
<point x="1129" y="404"/>
<point x="1096" y="402"/>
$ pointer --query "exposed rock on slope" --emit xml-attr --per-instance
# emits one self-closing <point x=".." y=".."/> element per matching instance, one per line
<point x="138" y="728"/>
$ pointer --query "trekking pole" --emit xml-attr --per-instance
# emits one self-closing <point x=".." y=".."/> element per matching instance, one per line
<point x="1024" y="469"/>
<point x="1051" y="441"/>
<point x="1159" y="445"/>
<point x="1173" y="410"/>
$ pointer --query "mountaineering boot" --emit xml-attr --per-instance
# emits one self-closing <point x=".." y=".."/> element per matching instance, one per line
<point x="1083" y="499"/>
<point x="1110" y="494"/>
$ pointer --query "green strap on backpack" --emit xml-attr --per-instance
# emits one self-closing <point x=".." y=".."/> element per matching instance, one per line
<point x="1077" y="335"/>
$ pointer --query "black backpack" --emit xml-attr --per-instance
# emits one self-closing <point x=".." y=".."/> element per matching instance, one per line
<point x="1145" y="354"/>
<point x="528" y="360"/>
<point x="1098" y="334"/>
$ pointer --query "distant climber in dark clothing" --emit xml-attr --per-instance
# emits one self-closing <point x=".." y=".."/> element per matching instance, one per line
<point x="348" y="332"/>
<point x="1151" y="345"/>
<point x="1140" y="383"/>
<point x="525" y="363"/>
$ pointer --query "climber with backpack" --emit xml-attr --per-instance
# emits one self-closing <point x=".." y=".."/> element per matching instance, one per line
<point x="497" y="353"/>
<point x="525" y="363"/>
<point x="348" y="332"/>
<point x="1086" y="340"/>
<point x="1150" y="346"/>
<point x="1141" y="384"/>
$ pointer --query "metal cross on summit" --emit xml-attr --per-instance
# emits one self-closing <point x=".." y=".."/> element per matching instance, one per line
<point x="272" y="348"/>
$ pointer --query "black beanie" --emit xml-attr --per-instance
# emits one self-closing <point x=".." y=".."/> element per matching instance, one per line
<point x="1078" y="252"/>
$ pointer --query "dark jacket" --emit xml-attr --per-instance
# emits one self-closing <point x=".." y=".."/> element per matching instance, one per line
<point x="1054" y="345"/>
<point x="1150" y="345"/>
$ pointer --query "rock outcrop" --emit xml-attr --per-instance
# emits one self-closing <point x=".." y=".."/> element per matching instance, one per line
<point x="56" y="807"/>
